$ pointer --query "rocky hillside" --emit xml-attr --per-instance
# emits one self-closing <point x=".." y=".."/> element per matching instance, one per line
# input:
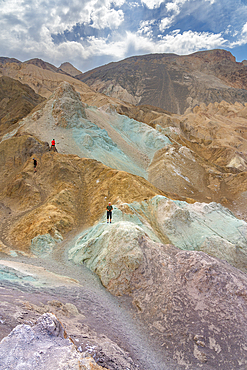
<point x="16" y="101"/>
<point x="162" y="287"/>
<point x="172" y="82"/>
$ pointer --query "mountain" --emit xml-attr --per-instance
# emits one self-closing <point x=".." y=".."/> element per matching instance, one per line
<point x="68" y="68"/>
<point x="44" y="65"/>
<point x="161" y="287"/>
<point x="44" y="78"/>
<point x="4" y="60"/>
<point x="172" y="82"/>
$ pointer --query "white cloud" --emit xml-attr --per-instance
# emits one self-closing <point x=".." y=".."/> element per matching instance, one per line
<point x="185" y="43"/>
<point x="175" y="6"/>
<point x="189" y="42"/>
<point x="152" y="4"/>
<point x="244" y="29"/>
<point x="58" y="17"/>
<point x="242" y="39"/>
<point x="146" y="28"/>
<point x="166" y="23"/>
<point x="27" y="27"/>
<point x="133" y="5"/>
<point x="172" y="7"/>
<point x="107" y="18"/>
<point x="231" y="31"/>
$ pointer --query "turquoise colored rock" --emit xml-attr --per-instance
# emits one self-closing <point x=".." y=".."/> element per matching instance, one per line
<point x="94" y="142"/>
<point x="42" y="245"/>
<point x="211" y="228"/>
<point x="110" y="250"/>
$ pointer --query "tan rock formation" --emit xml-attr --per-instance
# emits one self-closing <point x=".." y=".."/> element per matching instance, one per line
<point x="191" y="307"/>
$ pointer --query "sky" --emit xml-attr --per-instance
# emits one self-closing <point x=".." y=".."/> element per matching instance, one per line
<point x="91" y="33"/>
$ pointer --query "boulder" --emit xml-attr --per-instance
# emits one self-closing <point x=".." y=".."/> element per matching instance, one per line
<point x="43" y="346"/>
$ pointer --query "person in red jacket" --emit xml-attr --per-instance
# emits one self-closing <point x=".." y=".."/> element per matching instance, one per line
<point x="109" y="209"/>
<point x="53" y="147"/>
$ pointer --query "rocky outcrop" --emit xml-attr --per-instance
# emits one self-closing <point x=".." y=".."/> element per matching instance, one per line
<point x="44" y="65"/>
<point x="189" y="300"/>
<point x="180" y="263"/>
<point x="20" y="313"/>
<point x="199" y="226"/>
<point x="207" y="140"/>
<point x="114" y="140"/>
<point x="42" y="346"/>
<point x="115" y="266"/>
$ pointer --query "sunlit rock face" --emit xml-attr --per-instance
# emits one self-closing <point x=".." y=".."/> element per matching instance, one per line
<point x="189" y="300"/>
<point x="67" y="108"/>
<point x="42" y="346"/>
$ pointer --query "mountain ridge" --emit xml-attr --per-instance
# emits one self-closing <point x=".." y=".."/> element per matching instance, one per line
<point x="177" y="82"/>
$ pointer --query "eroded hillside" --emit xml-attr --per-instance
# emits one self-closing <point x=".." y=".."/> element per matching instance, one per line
<point x="161" y="287"/>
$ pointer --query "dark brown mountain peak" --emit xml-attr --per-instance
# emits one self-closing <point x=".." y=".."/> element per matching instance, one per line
<point x="4" y="60"/>
<point x="44" y="65"/>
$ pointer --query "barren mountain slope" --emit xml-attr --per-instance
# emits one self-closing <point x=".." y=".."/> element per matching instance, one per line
<point x="16" y="101"/>
<point x="199" y="155"/>
<point x="172" y="82"/>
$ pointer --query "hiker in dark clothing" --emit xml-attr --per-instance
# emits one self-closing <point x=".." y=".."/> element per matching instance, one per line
<point x="35" y="164"/>
<point x="109" y="209"/>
